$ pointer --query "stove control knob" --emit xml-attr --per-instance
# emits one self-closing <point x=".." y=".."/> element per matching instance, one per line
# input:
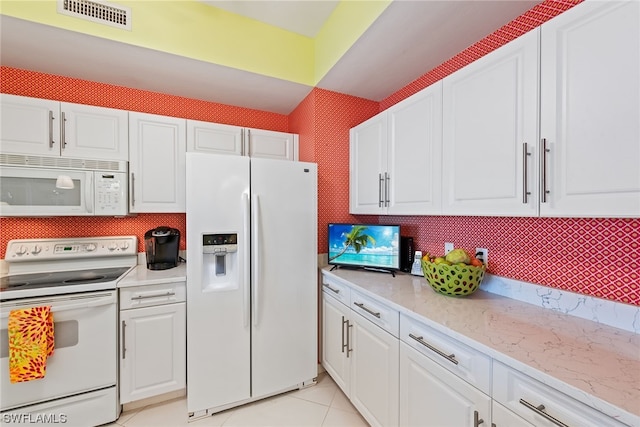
<point x="21" y="250"/>
<point x="112" y="246"/>
<point x="124" y="246"/>
<point x="36" y="250"/>
<point x="90" y="247"/>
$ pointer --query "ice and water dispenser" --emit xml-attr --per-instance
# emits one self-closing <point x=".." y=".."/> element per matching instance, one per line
<point x="220" y="262"/>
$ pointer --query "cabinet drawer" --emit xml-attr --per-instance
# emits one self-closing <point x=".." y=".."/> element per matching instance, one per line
<point x="467" y="363"/>
<point x="380" y="314"/>
<point x="542" y="405"/>
<point x="337" y="290"/>
<point x="150" y="295"/>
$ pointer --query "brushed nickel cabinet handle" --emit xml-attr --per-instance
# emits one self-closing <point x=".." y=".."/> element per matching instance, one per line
<point x="450" y="357"/>
<point x="242" y="142"/>
<point x="343" y="344"/>
<point x="133" y="189"/>
<point x="368" y="310"/>
<point x="124" y="348"/>
<point x="63" y="125"/>
<point x="476" y="419"/>
<point x="139" y="297"/>
<point x="387" y="178"/>
<point x="525" y="174"/>
<point x="543" y="172"/>
<point x="248" y="152"/>
<point x="335" y="291"/>
<point x="380" y="181"/>
<point x="540" y="411"/>
<point x="349" y="349"/>
<point x="51" y="141"/>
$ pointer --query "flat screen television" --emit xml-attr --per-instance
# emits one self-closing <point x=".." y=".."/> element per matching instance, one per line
<point x="370" y="246"/>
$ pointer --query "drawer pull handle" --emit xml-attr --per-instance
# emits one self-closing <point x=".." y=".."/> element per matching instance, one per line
<point x="476" y="419"/>
<point x="368" y="310"/>
<point x="124" y="343"/>
<point x="540" y="411"/>
<point x="348" y="343"/>
<point x="139" y="297"/>
<point x="525" y="174"/>
<point x="450" y="357"/>
<point x="336" y="291"/>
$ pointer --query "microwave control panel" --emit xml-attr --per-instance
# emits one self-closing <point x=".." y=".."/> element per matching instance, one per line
<point x="111" y="193"/>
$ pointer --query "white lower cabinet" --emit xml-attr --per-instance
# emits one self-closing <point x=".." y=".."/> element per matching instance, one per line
<point x="362" y="358"/>
<point x="399" y="368"/>
<point x="542" y="405"/>
<point x="374" y="372"/>
<point x="152" y="341"/>
<point x="503" y="417"/>
<point x="443" y="382"/>
<point x="430" y="395"/>
<point x="335" y="357"/>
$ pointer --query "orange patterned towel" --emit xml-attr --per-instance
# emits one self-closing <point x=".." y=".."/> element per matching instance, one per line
<point x="30" y="342"/>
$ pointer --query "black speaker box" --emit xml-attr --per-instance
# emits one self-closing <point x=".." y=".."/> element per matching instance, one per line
<point x="406" y="253"/>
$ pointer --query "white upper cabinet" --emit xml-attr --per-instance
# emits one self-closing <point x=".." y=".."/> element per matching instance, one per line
<point x="395" y="158"/>
<point x="214" y="138"/>
<point x="29" y="125"/>
<point x="271" y="145"/>
<point x="590" y="111"/>
<point x="94" y="132"/>
<point x="157" y="162"/>
<point x="238" y="141"/>
<point x="490" y="113"/>
<point x="367" y="163"/>
<point x="51" y="128"/>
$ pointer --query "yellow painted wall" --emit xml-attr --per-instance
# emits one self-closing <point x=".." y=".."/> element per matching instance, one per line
<point x="194" y="30"/>
<point x="202" y="32"/>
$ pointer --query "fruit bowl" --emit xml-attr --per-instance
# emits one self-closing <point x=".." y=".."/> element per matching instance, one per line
<point x="454" y="280"/>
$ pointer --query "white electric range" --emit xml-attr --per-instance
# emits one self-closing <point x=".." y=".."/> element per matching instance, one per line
<point x="77" y="278"/>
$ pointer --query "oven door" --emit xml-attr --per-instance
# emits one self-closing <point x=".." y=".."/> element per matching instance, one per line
<point x="45" y="192"/>
<point x="85" y="354"/>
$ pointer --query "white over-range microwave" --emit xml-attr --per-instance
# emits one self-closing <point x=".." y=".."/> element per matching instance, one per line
<point x="59" y="186"/>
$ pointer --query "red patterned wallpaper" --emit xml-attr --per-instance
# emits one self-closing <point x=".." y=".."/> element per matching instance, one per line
<point x="323" y="121"/>
<point x="524" y="23"/>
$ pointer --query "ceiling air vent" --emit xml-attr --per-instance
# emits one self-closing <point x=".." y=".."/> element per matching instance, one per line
<point x="96" y="11"/>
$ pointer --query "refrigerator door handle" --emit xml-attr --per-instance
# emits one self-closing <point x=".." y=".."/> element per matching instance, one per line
<point x="255" y="259"/>
<point x="245" y="258"/>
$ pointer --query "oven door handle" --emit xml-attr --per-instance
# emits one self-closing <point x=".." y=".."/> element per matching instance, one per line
<point x="73" y="303"/>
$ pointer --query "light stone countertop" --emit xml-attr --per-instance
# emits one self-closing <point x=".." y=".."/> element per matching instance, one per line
<point x="142" y="276"/>
<point x="591" y="362"/>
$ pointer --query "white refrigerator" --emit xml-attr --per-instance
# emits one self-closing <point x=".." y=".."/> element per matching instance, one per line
<point x="251" y="279"/>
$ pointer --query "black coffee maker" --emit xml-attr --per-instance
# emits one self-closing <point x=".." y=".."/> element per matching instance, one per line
<point x="161" y="245"/>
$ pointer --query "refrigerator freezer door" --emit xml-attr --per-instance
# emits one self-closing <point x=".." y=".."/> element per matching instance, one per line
<point x="218" y="329"/>
<point x="284" y="274"/>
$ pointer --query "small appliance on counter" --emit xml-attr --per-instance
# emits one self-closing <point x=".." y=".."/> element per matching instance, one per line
<point x="161" y="245"/>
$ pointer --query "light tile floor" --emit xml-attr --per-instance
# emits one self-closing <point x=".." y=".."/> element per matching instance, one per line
<point x="321" y="405"/>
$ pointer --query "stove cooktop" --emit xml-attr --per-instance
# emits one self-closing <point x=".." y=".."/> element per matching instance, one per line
<point x="60" y="282"/>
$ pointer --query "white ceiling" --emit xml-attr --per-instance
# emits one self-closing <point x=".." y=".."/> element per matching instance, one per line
<point x="407" y="40"/>
<point x="301" y="17"/>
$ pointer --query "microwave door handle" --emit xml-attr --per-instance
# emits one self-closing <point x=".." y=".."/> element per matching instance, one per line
<point x="88" y="193"/>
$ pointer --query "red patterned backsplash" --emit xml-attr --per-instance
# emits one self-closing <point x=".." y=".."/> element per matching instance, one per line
<point x="71" y="226"/>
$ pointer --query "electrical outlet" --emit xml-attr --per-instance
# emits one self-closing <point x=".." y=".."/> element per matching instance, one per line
<point x="483" y="255"/>
<point x="448" y="247"/>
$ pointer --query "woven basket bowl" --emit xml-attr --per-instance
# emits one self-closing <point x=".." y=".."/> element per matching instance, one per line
<point x="453" y="280"/>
